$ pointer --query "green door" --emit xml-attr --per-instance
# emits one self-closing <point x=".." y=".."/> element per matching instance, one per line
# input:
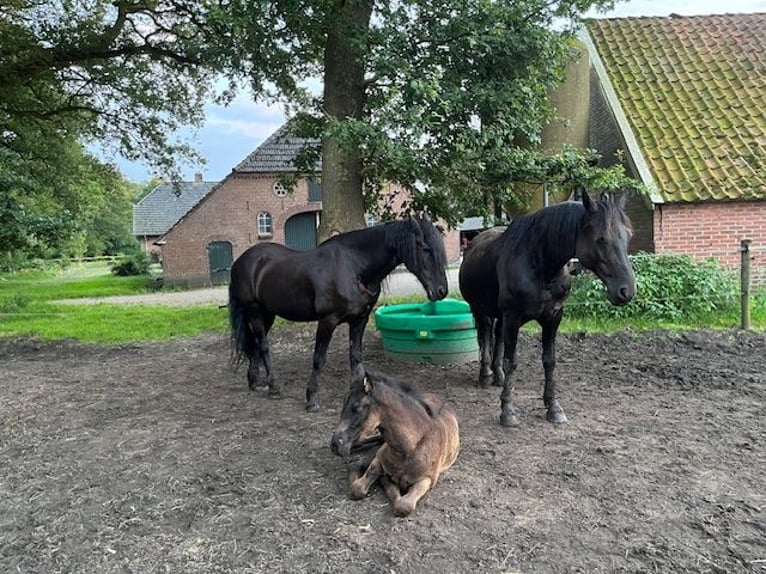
<point x="301" y="231"/>
<point x="219" y="255"/>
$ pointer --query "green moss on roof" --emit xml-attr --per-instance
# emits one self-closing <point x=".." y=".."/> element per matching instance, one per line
<point x="694" y="91"/>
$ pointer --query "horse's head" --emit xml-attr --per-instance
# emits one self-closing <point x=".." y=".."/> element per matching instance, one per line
<point x="602" y="246"/>
<point x="359" y="418"/>
<point x="423" y="255"/>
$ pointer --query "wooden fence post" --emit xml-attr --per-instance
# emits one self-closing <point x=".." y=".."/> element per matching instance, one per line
<point x="744" y="278"/>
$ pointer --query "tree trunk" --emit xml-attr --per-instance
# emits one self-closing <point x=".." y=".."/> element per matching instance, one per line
<point x="344" y="90"/>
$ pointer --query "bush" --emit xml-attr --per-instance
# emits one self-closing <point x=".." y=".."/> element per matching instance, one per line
<point x="132" y="264"/>
<point x="670" y="287"/>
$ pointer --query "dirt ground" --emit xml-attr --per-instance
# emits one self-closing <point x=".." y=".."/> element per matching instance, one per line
<point x="157" y="458"/>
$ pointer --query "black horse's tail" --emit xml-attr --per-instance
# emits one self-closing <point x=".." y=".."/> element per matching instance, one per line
<point x="241" y="333"/>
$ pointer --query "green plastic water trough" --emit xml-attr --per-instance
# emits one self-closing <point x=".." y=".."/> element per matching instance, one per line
<point x="439" y="332"/>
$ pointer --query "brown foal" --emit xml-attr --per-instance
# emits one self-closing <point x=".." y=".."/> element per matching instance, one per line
<point x="419" y="432"/>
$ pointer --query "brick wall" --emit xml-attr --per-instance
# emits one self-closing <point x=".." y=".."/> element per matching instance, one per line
<point x="714" y="230"/>
<point x="230" y="213"/>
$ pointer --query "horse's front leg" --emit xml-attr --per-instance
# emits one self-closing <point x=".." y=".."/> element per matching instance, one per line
<point x="356" y="330"/>
<point x="404" y="505"/>
<point x="511" y="326"/>
<point x="359" y="483"/>
<point x="325" y="329"/>
<point x="550" y="327"/>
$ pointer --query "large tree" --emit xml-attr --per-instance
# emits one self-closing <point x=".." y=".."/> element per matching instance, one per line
<point x="433" y="94"/>
<point x="446" y="98"/>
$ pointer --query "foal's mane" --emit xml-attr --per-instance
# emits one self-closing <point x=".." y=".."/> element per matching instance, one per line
<point x="406" y="391"/>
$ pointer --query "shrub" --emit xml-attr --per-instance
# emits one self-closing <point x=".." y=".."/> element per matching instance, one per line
<point x="670" y="287"/>
<point x="136" y="263"/>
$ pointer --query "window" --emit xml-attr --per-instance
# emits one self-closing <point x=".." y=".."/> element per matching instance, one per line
<point x="264" y="224"/>
<point x="371" y="220"/>
<point x="280" y="190"/>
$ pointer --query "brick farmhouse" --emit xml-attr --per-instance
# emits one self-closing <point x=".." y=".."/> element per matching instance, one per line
<point x="202" y="227"/>
<point x="682" y="102"/>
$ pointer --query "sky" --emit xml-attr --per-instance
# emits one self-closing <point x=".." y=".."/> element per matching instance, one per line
<point x="231" y="133"/>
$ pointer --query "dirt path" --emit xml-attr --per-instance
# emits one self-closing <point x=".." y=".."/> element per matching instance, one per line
<point x="156" y="458"/>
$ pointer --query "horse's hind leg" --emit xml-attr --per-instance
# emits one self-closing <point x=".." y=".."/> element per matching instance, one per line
<point x="511" y="326"/>
<point x="261" y="326"/>
<point x="484" y="337"/>
<point x="550" y="327"/>
<point x="498" y="376"/>
<point x="325" y="329"/>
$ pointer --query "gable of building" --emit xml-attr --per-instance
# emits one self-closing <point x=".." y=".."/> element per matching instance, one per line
<point x="693" y="92"/>
<point x="166" y="204"/>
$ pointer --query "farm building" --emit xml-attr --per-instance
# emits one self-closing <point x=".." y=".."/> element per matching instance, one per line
<point x="682" y="102"/>
<point x="222" y="220"/>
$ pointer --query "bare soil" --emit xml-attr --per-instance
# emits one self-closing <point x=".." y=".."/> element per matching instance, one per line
<point x="157" y="458"/>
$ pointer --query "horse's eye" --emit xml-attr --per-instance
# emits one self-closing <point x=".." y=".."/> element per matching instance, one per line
<point x="601" y="241"/>
<point x="358" y="408"/>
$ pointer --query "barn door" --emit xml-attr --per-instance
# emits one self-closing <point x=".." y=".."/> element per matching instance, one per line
<point x="301" y="231"/>
<point x="220" y="259"/>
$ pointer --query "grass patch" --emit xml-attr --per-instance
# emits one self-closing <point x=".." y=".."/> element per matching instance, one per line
<point x="112" y="323"/>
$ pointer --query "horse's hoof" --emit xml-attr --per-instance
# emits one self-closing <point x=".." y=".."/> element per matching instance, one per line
<point x="275" y="394"/>
<point x="483" y="381"/>
<point x="497" y="382"/>
<point x="508" y="419"/>
<point x="556" y="417"/>
<point x="402" y="509"/>
<point x="312" y="407"/>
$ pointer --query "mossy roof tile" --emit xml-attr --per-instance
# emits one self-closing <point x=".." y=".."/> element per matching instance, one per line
<point x="694" y="91"/>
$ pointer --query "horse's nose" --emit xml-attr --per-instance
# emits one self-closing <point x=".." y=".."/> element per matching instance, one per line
<point x="626" y="293"/>
<point x="335" y="443"/>
<point x="441" y="291"/>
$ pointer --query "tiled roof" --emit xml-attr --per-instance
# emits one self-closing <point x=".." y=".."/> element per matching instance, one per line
<point x="276" y="154"/>
<point x="694" y="91"/>
<point x="166" y="204"/>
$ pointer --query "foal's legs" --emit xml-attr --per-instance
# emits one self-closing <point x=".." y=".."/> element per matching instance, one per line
<point x="325" y="329"/>
<point x="360" y="483"/>
<point x="511" y="326"/>
<point x="404" y="505"/>
<point x="550" y="327"/>
<point x="484" y="337"/>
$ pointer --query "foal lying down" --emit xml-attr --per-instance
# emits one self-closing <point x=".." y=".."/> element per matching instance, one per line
<point x="419" y="435"/>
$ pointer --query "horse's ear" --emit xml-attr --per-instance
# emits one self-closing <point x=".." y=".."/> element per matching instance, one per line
<point x="622" y="200"/>
<point x="367" y="384"/>
<point x="588" y="202"/>
<point x="416" y="224"/>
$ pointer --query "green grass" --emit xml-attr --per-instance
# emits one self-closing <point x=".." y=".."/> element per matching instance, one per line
<point x="27" y="308"/>
<point x="103" y="323"/>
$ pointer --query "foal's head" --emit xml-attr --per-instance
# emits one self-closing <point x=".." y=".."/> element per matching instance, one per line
<point x="602" y="246"/>
<point x="420" y="246"/>
<point x="360" y="416"/>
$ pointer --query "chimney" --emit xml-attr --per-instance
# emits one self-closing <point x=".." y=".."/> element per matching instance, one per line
<point x="197" y="177"/>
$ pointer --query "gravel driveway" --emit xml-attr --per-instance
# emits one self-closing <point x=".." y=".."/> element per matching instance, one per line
<point x="398" y="284"/>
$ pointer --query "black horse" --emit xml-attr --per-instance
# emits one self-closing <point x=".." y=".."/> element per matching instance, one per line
<point x="337" y="282"/>
<point x="522" y="273"/>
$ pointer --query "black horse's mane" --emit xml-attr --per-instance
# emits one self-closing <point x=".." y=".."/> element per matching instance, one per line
<point x="552" y="228"/>
<point x="399" y="236"/>
<point x="549" y="234"/>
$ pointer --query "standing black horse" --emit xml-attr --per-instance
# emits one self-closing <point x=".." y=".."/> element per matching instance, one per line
<point x="521" y="274"/>
<point x="337" y="282"/>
